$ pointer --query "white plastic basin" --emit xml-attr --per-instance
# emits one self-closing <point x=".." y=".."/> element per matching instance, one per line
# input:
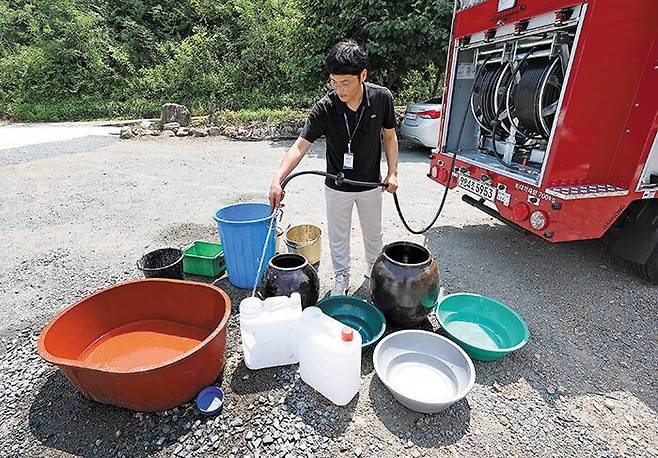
<point x="424" y="371"/>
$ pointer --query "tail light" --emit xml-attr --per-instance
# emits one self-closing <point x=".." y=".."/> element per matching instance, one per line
<point x="430" y="114"/>
<point x="538" y="220"/>
<point x="520" y="212"/>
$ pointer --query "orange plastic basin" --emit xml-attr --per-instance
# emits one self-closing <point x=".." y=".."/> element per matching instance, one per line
<point x="146" y="345"/>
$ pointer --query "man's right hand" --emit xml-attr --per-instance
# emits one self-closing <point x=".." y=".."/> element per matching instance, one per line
<point x="276" y="194"/>
<point x="289" y="162"/>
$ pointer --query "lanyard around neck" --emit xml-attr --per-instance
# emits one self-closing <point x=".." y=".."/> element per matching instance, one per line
<point x="350" y="136"/>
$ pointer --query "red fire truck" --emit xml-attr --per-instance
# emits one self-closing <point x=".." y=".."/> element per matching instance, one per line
<point x="550" y="119"/>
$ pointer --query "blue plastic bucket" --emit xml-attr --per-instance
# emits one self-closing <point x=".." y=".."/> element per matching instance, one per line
<point x="243" y="229"/>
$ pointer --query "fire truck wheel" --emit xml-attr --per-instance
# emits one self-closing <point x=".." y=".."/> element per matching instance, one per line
<point x="649" y="270"/>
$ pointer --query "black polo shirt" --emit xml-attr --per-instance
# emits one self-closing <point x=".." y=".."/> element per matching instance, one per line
<point x="327" y="117"/>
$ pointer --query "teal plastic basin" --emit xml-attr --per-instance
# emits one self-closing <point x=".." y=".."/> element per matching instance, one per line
<point x="485" y="328"/>
<point x="358" y="314"/>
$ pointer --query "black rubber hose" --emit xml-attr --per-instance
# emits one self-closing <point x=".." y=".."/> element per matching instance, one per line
<point x="488" y="102"/>
<point x="452" y="164"/>
<point x="338" y="178"/>
<point x="526" y="97"/>
<point x="518" y="130"/>
<point x="481" y="94"/>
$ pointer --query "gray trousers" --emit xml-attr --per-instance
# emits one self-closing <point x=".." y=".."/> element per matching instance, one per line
<point x="339" y="223"/>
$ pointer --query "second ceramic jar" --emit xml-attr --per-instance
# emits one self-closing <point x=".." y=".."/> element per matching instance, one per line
<point x="291" y="273"/>
<point x="404" y="283"/>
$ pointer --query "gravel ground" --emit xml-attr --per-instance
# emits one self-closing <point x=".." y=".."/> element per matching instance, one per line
<point x="76" y="220"/>
<point x="16" y="135"/>
<point x="28" y="153"/>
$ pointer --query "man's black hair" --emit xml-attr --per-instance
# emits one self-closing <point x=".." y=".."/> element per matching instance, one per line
<point x="346" y="58"/>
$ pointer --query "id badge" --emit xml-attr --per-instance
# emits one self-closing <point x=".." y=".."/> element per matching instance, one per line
<point x="348" y="161"/>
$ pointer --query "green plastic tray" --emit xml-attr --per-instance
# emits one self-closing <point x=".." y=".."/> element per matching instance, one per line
<point x="358" y="314"/>
<point x="486" y="329"/>
<point x="204" y="258"/>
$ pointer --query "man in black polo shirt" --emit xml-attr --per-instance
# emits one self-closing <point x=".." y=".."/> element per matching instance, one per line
<point x="352" y="118"/>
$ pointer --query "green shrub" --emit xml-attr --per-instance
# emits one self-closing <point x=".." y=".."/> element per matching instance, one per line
<point x="90" y="59"/>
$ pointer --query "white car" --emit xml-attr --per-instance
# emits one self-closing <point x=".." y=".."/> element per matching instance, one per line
<point x="420" y="124"/>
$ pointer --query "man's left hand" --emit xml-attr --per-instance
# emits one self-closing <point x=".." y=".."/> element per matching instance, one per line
<point x="391" y="183"/>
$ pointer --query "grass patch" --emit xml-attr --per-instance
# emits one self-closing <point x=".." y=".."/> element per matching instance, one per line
<point x="82" y="109"/>
<point x="273" y="117"/>
<point x="92" y="109"/>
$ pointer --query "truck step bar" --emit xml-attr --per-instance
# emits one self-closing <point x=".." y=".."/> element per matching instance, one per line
<point x="587" y="191"/>
<point x="480" y="205"/>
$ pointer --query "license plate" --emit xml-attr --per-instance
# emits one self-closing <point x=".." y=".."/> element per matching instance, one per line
<point x="477" y="187"/>
<point x="411" y="116"/>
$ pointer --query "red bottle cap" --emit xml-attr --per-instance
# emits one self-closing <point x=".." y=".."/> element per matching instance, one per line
<point x="347" y="335"/>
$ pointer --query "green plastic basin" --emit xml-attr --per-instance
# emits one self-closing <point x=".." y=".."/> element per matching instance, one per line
<point x="485" y="328"/>
<point x="204" y="258"/>
<point x="358" y="314"/>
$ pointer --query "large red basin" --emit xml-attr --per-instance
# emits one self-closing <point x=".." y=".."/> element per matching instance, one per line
<point x="146" y="345"/>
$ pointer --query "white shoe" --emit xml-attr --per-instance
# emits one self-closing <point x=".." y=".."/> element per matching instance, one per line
<point x="341" y="284"/>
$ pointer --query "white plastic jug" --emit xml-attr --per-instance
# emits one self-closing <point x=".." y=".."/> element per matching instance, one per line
<point x="267" y="327"/>
<point x="329" y="356"/>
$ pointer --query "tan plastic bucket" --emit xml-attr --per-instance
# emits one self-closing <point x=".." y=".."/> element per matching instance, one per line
<point x="279" y="238"/>
<point x="305" y="239"/>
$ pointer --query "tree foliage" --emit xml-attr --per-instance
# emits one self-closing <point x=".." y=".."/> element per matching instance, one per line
<point x="76" y="59"/>
<point x="400" y="36"/>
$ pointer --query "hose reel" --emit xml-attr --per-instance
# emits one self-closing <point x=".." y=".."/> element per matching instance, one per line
<point x="535" y="96"/>
<point x="530" y="100"/>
